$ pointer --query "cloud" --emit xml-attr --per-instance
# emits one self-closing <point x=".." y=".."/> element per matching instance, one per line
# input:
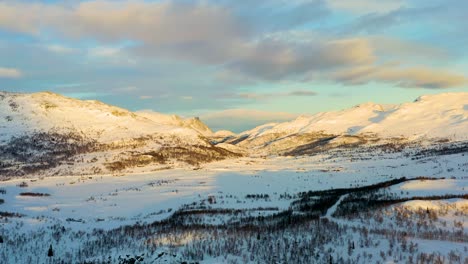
<point x="302" y="93"/>
<point x="85" y="95"/>
<point x="200" y="32"/>
<point x="450" y="12"/>
<point x="388" y="47"/>
<point x="366" y="6"/>
<point x="10" y="73"/>
<point x="277" y="15"/>
<point x="416" y="77"/>
<point x="191" y="30"/>
<point x="115" y="55"/>
<point x="146" y="97"/>
<point x="104" y="51"/>
<point x="239" y="120"/>
<point x="238" y="49"/>
<point x="262" y="96"/>
<point x="127" y="89"/>
<point x="274" y="59"/>
<point x="421" y="78"/>
<point x="59" y="49"/>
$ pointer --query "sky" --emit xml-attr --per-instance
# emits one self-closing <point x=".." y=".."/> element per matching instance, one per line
<point x="235" y="64"/>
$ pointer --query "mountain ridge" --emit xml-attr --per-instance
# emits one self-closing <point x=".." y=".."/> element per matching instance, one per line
<point x="46" y="133"/>
<point x="53" y="134"/>
<point x="341" y="122"/>
<point x="426" y="120"/>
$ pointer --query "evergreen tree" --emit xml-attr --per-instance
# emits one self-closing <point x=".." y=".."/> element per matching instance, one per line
<point x="50" y="253"/>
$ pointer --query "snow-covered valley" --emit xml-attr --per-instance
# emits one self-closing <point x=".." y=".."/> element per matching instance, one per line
<point x="224" y="194"/>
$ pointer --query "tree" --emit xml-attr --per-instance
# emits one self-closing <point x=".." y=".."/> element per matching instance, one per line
<point x="50" y="253"/>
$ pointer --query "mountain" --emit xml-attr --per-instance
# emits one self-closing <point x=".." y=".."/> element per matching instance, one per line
<point x="224" y="133"/>
<point x="174" y="120"/>
<point x="443" y="116"/>
<point x="49" y="133"/>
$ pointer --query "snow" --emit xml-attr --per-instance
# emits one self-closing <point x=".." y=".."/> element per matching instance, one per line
<point x="436" y="116"/>
<point x="52" y="112"/>
<point x="139" y="195"/>
<point x="428" y="187"/>
<point x="460" y="204"/>
<point x="224" y="133"/>
<point x="174" y="120"/>
<point x="443" y="115"/>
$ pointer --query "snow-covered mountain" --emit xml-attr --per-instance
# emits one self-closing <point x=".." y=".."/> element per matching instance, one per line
<point x="46" y="130"/>
<point x="29" y="113"/>
<point x="224" y="133"/>
<point x="442" y="116"/>
<point x="174" y="120"/>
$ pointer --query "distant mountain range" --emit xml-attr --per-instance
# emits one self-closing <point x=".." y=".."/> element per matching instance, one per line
<point x="49" y="134"/>
<point x="428" y="118"/>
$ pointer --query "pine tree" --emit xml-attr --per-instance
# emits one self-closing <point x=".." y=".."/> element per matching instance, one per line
<point x="50" y="253"/>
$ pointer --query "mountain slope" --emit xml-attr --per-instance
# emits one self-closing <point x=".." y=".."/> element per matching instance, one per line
<point x="433" y="116"/>
<point x="45" y="131"/>
<point x="173" y="120"/>
<point x="443" y="116"/>
<point x="26" y="113"/>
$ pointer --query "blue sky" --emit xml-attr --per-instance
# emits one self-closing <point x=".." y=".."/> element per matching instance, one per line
<point x="236" y="64"/>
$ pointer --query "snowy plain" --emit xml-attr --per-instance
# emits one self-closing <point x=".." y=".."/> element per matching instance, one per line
<point x="85" y="203"/>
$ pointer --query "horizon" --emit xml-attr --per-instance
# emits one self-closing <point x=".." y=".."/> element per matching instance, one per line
<point x="234" y="64"/>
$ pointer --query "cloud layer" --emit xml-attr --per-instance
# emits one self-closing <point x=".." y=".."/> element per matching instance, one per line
<point x="213" y="34"/>
<point x="406" y="77"/>
<point x="9" y="73"/>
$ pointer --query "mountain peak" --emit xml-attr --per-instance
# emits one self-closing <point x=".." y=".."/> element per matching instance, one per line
<point x="370" y="105"/>
<point x="224" y="133"/>
<point x="442" y="96"/>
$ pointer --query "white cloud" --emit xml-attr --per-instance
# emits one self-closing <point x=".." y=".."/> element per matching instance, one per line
<point x="112" y="54"/>
<point x="10" y="73"/>
<point x="60" y="49"/>
<point x="104" y="51"/>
